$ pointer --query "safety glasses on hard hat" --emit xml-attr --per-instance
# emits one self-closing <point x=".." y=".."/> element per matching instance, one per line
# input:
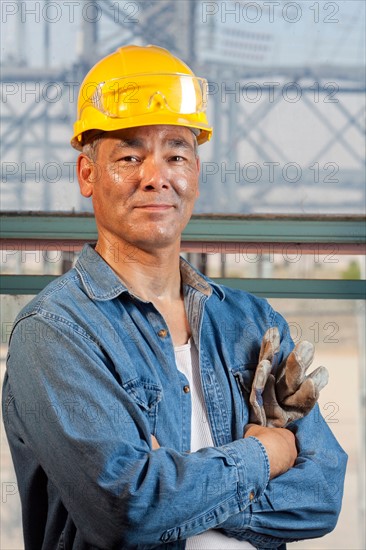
<point x="143" y="93"/>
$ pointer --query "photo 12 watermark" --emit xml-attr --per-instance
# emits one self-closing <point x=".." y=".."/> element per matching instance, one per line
<point x="269" y="172"/>
<point x="269" y="12"/>
<point x="272" y="91"/>
<point x="70" y="11"/>
<point x="129" y="93"/>
<point x="266" y="172"/>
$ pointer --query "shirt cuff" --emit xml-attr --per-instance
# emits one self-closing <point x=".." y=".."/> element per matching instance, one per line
<point x="252" y="463"/>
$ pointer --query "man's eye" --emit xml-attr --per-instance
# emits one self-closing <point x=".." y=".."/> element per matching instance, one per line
<point x="177" y="158"/>
<point x="130" y="158"/>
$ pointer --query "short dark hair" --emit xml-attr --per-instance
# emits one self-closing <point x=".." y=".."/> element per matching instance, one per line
<point x="91" y="141"/>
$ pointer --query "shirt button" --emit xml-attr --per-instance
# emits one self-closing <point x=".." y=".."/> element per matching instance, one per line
<point x="163" y="333"/>
<point x="186" y="389"/>
<point x="251" y="495"/>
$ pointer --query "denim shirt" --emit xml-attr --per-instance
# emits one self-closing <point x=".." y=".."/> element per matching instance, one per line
<point x="91" y="375"/>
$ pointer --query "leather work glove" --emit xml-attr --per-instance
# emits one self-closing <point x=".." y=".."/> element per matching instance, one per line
<point x="277" y="399"/>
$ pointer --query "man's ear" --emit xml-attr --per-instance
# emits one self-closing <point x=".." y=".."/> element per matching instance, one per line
<point x="198" y="170"/>
<point x="86" y="170"/>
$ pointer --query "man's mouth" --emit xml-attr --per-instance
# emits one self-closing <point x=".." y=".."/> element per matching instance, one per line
<point x="155" y="206"/>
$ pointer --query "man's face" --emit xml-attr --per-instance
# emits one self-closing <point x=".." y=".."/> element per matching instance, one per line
<point x="144" y="183"/>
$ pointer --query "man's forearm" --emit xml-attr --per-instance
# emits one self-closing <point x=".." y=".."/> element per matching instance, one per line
<point x="305" y="501"/>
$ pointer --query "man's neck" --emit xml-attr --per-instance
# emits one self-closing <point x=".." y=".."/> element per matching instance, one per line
<point x="152" y="276"/>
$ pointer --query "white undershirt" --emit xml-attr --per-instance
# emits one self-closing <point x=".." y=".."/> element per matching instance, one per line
<point x="187" y="360"/>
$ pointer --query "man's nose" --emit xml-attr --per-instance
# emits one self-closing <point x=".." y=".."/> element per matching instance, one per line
<point x="154" y="174"/>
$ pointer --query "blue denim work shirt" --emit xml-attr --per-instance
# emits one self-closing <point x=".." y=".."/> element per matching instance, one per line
<point x="91" y="375"/>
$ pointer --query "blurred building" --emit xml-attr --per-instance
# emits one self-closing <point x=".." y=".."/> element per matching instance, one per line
<point x="286" y="97"/>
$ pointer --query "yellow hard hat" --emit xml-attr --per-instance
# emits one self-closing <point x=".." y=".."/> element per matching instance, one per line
<point x="141" y="86"/>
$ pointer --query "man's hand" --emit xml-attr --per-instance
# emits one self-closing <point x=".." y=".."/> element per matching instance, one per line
<point x="279" y="444"/>
<point x="277" y="399"/>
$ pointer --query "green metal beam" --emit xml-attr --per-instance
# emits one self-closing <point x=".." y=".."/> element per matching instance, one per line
<point x="22" y="226"/>
<point x="24" y="284"/>
<point x="207" y="228"/>
<point x="276" y="230"/>
<point x="300" y="288"/>
<point x="269" y="288"/>
<point x="310" y="229"/>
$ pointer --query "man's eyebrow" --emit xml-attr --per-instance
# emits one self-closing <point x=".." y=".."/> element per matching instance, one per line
<point x="129" y="142"/>
<point x="137" y="143"/>
<point x="181" y="143"/>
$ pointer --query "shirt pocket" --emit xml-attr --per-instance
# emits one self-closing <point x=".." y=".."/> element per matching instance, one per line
<point x="243" y="376"/>
<point x="147" y="395"/>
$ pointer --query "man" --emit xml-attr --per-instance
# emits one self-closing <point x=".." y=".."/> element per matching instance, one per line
<point x="124" y="399"/>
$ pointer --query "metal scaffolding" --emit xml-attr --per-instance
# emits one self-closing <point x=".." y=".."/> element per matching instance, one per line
<point x="39" y="103"/>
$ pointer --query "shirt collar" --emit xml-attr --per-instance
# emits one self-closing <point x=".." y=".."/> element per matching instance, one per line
<point x="102" y="283"/>
<point x="195" y="279"/>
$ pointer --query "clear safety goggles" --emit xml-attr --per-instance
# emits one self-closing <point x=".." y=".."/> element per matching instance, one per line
<point x="141" y="94"/>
